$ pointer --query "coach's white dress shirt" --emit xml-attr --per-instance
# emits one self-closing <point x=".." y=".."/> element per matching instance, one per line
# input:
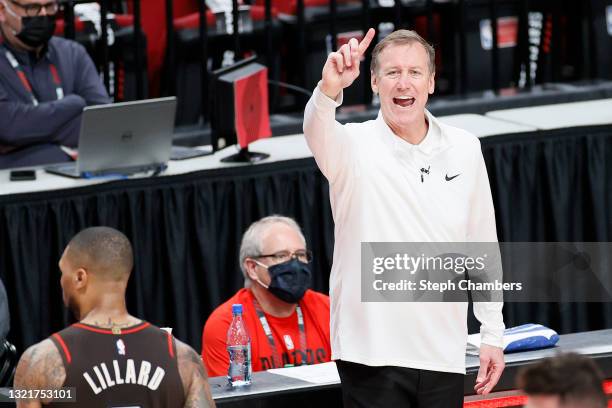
<point x="377" y="195"/>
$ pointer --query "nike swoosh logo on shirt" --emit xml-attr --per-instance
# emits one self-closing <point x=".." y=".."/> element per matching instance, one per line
<point x="450" y="178"/>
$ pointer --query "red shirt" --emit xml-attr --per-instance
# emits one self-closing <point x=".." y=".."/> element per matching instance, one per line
<point x="285" y="331"/>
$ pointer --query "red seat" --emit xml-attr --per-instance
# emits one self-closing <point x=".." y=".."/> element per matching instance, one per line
<point x="60" y="24"/>
<point x="290" y="6"/>
<point x="153" y="17"/>
<point x="258" y="13"/>
<point x="122" y="20"/>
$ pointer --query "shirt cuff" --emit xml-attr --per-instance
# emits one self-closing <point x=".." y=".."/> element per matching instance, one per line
<point x="493" y="338"/>
<point x="325" y="101"/>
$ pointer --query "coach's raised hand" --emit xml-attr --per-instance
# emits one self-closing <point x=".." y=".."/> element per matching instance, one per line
<point x="342" y="66"/>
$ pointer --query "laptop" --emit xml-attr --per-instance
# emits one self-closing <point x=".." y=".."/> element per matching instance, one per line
<point x="123" y="138"/>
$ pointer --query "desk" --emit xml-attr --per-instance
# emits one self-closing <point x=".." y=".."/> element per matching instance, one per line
<point x="268" y="388"/>
<point x="562" y="115"/>
<point x="186" y="225"/>
<point x="280" y="149"/>
<point x="482" y="126"/>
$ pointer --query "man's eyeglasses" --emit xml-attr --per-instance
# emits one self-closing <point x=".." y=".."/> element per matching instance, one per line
<point x="34" y="9"/>
<point x="284" y="256"/>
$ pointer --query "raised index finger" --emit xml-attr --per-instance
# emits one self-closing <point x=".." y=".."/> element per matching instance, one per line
<point x="365" y="43"/>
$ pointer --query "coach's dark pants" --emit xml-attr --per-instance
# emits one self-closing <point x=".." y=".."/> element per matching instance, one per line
<point x="398" y="387"/>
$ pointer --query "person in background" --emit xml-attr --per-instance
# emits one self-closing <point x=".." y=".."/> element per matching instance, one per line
<point x="109" y="357"/>
<point x="287" y="322"/>
<point x="45" y="82"/>
<point x="403" y="177"/>
<point x="564" y="381"/>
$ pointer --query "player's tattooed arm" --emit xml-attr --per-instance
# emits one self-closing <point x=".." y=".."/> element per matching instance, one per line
<point x="194" y="377"/>
<point x="40" y="368"/>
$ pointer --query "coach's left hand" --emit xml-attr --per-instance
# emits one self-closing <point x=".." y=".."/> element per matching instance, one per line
<point x="491" y="368"/>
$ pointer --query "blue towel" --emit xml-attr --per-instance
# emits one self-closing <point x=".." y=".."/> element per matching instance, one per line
<point x="520" y="338"/>
<point x="529" y="337"/>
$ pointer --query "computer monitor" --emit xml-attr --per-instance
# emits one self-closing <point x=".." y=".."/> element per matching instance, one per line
<point x="240" y="112"/>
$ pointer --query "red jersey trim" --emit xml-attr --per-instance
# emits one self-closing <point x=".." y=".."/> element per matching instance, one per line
<point x="170" y="348"/>
<point x="64" y="347"/>
<point x="106" y="331"/>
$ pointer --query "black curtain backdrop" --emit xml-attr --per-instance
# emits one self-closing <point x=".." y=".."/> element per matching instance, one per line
<point x="186" y="230"/>
<point x="553" y="186"/>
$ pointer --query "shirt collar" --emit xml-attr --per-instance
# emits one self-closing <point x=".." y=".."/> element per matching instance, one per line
<point x="433" y="142"/>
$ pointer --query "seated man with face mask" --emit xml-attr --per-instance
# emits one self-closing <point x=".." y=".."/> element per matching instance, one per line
<point x="45" y="82"/>
<point x="288" y="323"/>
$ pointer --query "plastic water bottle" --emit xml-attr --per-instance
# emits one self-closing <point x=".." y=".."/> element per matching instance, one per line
<point x="239" y="349"/>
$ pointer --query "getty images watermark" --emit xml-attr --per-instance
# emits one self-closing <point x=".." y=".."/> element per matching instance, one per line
<point x="486" y="272"/>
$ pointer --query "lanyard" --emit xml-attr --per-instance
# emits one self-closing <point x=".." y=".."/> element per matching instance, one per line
<point x="26" y="84"/>
<point x="266" y="327"/>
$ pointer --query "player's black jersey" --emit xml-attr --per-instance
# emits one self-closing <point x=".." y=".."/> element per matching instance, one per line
<point x="130" y="367"/>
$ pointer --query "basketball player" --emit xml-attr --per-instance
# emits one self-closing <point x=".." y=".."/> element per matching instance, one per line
<point x="112" y="359"/>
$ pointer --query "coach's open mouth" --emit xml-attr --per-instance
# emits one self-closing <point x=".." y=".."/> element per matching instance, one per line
<point x="404" y="101"/>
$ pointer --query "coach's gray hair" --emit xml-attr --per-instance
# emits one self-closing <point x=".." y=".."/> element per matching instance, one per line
<point x="250" y="247"/>
<point x="401" y="37"/>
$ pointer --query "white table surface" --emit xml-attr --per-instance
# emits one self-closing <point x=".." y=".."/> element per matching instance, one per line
<point x="482" y="126"/>
<point x="279" y="148"/>
<point x="562" y="115"/>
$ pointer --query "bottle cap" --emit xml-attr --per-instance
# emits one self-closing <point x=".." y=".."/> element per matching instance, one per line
<point x="237" y="308"/>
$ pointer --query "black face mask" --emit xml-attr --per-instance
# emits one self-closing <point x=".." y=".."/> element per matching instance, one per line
<point x="36" y="31"/>
<point x="289" y="280"/>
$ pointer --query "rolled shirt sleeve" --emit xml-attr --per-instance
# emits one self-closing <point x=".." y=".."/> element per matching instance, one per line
<point x="326" y="138"/>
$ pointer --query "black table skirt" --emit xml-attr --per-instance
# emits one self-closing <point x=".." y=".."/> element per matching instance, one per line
<point x="186" y="229"/>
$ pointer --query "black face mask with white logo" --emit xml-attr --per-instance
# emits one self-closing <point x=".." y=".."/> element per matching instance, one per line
<point x="36" y="31"/>
<point x="289" y="280"/>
